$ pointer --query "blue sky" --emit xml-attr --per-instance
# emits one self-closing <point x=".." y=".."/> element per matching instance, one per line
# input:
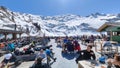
<point x="60" y="7"/>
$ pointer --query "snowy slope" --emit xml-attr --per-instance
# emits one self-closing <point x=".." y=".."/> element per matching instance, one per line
<point x="59" y="25"/>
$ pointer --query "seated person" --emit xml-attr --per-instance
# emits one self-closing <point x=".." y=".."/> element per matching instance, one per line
<point x="38" y="63"/>
<point x="17" y="52"/>
<point x="2" y="65"/>
<point x="7" y="58"/>
<point x="29" y="50"/>
<point x="115" y="61"/>
<point x="42" y="55"/>
<point x="87" y="54"/>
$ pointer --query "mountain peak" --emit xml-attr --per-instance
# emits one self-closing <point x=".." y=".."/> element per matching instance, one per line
<point x="96" y="14"/>
<point x="3" y="8"/>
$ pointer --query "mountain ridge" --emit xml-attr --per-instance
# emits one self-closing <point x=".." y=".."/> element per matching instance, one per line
<point x="60" y="25"/>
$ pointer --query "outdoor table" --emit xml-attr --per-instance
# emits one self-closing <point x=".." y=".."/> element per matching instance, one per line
<point x="28" y="57"/>
<point x="87" y="64"/>
<point x="113" y="42"/>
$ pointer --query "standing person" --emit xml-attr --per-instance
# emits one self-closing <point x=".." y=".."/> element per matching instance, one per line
<point x="65" y="40"/>
<point x="87" y="54"/>
<point x="59" y="41"/>
<point x="70" y="46"/>
<point x="76" y="45"/>
<point x="64" y="44"/>
<point x="49" y="53"/>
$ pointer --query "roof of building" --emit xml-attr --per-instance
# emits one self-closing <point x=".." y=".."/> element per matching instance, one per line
<point x="108" y="24"/>
<point x="10" y="31"/>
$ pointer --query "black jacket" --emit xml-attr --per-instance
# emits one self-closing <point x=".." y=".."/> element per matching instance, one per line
<point x="85" y="55"/>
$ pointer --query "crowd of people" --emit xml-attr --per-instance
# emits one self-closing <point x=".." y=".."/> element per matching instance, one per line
<point x="15" y="53"/>
<point x="43" y="58"/>
<point x="69" y="45"/>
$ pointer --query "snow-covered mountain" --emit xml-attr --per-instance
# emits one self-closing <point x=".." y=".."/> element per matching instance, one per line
<point x="59" y="25"/>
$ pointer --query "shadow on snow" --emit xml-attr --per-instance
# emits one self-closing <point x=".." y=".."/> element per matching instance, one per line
<point x="68" y="56"/>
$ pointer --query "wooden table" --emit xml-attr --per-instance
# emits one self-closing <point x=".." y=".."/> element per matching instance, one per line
<point x="113" y="42"/>
<point x="87" y="64"/>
